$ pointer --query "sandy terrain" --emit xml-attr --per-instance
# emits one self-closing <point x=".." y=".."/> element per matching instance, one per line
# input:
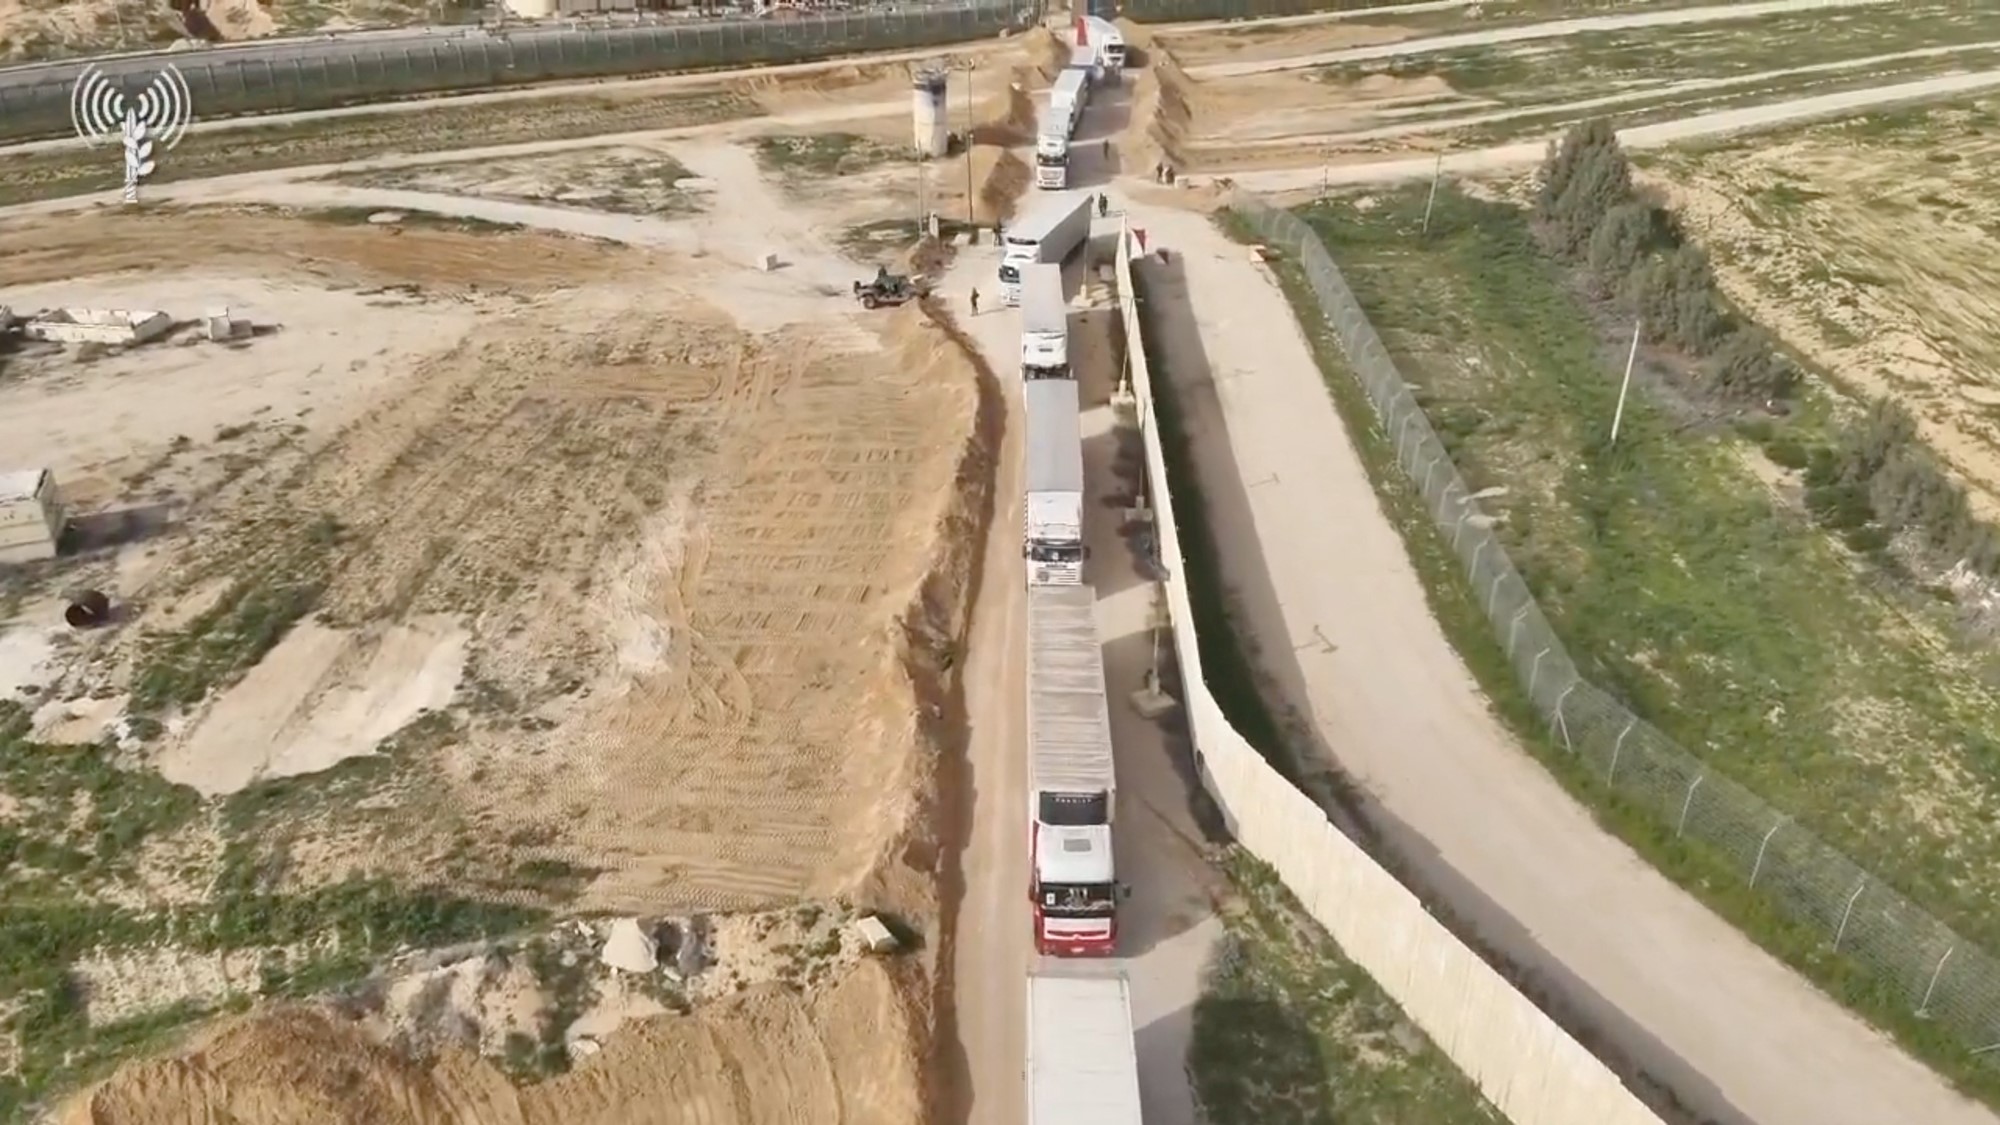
<point x="646" y="525"/>
<point x="766" y="1055"/>
<point x="1467" y="93"/>
<point x="1864" y="245"/>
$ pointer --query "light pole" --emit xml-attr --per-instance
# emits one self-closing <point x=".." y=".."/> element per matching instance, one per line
<point x="971" y="222"/>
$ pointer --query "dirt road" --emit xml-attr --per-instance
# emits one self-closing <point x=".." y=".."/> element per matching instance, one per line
<point x="990" y="961"/>
<point x="1553" y="29"/>
<point x="1527" y="154"/>
<point x="1734" y="1032"/>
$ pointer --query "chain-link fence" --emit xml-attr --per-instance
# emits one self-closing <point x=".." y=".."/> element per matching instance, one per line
<point x="342" y="70"/>
<point x="1913" y="960"/>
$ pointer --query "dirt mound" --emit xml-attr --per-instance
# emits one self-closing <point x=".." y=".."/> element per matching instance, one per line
<point x="1001" y="184"/>
<point x="1048" y="53"/>
<point x="1015" y="124"/>
<point x="1162" y="114"/>
<point x="767" y="1055"/>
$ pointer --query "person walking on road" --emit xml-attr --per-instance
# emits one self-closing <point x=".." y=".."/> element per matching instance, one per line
<point x="1103" y="204"/>
<point x="975" y="302"/>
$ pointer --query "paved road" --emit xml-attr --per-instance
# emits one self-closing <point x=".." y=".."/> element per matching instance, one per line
<point x="1315" y="561"/>
<point x="1552" y="29"/>
<point x="1528" y="154"/>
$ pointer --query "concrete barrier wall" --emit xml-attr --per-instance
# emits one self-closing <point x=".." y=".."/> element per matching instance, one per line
<point x="1532" y="1070"/>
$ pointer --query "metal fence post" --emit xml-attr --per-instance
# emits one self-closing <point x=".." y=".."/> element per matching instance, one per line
<point x="1924" y="1009"/>
<point x="1493" y="598"/>
<point x="1562" y="721"/>
<point x="1464" y="513"/>
<point x="1535" y="672"/>
<point x="1688" y="803"/>
<point x="1514" y="629"/>
<point x="1428" y="470"/>
<point x="1758" y="866"/>
<point x="1617" y="748"/>
<point x="1473" y="568"/>
<point x="1848" y="913"/>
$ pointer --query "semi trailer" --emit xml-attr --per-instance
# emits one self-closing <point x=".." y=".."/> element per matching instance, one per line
<point x="1054" y="227"/>
<point x="1052" y="517"/>
<point x="1083" y="1062"/>
<point x="1044" y="324"/>
<point x="1071" y="776"/>
<point x="1068" y="95"/>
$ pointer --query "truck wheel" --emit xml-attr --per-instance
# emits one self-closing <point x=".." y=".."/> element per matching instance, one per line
<point x="868" y="301"/>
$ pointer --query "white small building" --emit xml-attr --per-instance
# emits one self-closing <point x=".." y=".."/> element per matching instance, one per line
<point x="31" y="518"/>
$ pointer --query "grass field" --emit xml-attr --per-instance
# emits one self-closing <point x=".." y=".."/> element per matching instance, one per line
<point x="1597" y="61"/>
<point x="1680" y="578"/>
<point x="1290" y="1032"/>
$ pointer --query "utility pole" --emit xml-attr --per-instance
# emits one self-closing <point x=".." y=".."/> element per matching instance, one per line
<point x="971" y="223"/>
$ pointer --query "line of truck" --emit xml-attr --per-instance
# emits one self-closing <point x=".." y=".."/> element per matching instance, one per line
<point x="1073" y="884"/>
<point x="1082" y="1064"/>
<point x="1098" y="55"/>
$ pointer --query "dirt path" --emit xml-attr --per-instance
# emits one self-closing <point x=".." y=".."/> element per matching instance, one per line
<point x="1553" y="29"/>
<point x="1528" y="154"/>
<point x="1735" y="1033"/>
<point x="993" y="951"/>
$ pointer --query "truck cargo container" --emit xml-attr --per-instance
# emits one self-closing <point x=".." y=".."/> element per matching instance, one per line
<point x="1044" y="324"/>
<point x="1071" y="775"/>
<point x="1083" y="1061"/>
<point x="1052" y="516"/>
<point x="1068" y="97"/>
<point x="1054" y="227"/>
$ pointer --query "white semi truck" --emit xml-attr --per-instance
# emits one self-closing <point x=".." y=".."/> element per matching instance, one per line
<point x="1051" y="150"/>
<point x="1052" y="523"/>
<point x="1071" y="776"/>
<point x="1083" y="1063"/>
<point x="1109" y="43"/>
<point x="1044" y="324"/>
<point x="1053" y="228"/>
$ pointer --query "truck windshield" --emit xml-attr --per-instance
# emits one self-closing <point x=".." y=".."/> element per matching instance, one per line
<point x="1078" y="900"/>
<point x="1051" y="159"/>
<point x="1057" y="552"/>
<point x="1073" y="810"/>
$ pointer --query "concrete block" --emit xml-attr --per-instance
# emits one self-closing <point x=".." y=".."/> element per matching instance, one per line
<point x="767" y="261"/>
<point x="875" y="937"/>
